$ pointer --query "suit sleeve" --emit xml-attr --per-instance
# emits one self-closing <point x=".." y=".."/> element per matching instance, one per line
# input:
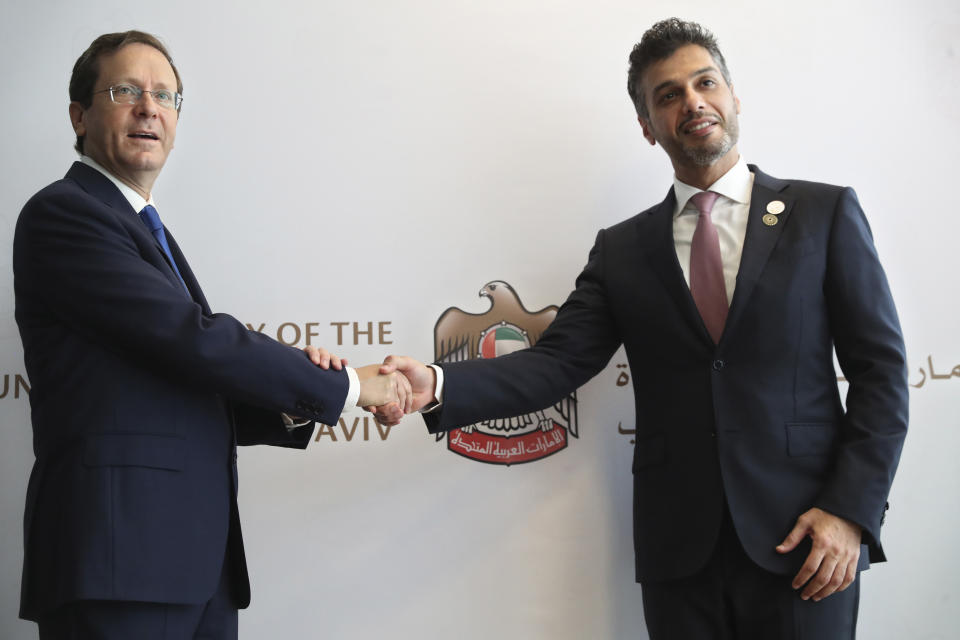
<point x="75" y="260"/>
<point x="577" y="345"/>
<point x="871" y="353"/>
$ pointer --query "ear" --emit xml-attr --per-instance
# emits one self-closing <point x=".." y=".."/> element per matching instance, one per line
<point x="76" y="119"/>
<point x="736" y="100"/>
<point x="646" y="131"/>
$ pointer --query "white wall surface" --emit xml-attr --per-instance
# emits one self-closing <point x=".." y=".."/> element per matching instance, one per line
<point x="379" y="161"/>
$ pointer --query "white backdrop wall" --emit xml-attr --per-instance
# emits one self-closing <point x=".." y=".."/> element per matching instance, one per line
<point x="379" y="161"/>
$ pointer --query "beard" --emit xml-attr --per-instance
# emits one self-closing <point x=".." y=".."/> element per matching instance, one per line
<point x="706" y="154"/>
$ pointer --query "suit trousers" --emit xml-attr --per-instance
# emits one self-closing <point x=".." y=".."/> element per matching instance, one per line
<point x="732" y="598"/>
<point x="217" y="619"/>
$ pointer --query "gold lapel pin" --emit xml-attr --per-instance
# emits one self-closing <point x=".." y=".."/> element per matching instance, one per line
<point x="775" y="207"/>
<point x="770" y="219"/>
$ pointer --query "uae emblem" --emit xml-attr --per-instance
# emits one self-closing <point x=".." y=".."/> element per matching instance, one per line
<point x="506" y="327"/>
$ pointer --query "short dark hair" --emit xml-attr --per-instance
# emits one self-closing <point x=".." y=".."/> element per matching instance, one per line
<point x="659" y="43"/>
<point x="86" y="71"/>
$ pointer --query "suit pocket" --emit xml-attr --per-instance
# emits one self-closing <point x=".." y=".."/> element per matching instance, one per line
<point x="810" y="438"/>
<point x="134" y="450"/>
<point x="649" y="451"/>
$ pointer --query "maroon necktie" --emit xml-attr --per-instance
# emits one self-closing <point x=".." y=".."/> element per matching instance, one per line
<point x="706" y="268"/>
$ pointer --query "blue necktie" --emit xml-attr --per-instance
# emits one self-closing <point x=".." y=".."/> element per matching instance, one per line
<point x="151" y="218"/>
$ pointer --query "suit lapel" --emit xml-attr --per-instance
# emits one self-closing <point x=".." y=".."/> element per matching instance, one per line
<point x="189" y="279"/>
<point x="97" y="185"/>
<point x="760" y="239"/>
<point x="171" y="273"/>
<point x="660" y="252"/>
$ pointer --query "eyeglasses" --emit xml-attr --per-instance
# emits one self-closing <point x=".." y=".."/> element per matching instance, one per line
<point x="131" y="94"/>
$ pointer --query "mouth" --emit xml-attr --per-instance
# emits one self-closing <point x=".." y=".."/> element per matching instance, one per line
<point x="143" y="135"/>
<point x="699" y="126"/>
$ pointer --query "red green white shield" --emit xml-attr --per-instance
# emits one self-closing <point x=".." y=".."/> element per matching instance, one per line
<point x="507" y="327"/>
<point x="499" y="341"/>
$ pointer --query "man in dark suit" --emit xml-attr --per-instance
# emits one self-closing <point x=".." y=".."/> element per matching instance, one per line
<point x="140" y="394"/>
<point x="758" y="497"/>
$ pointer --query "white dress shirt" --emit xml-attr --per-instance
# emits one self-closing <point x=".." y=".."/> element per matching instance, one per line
<point x="138" y="203"/>
<point x="729" y="215"/>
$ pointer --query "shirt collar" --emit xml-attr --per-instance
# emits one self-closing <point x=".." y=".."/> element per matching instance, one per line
<point x="736" y="184"/>
<point x="135" y="199"/>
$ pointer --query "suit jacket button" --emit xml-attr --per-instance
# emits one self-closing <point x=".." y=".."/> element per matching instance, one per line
<point x="718" y="365"/>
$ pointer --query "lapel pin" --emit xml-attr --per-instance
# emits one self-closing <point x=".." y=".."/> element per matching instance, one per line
<point x="775" y="207"/>
<point x="770" y="219"/>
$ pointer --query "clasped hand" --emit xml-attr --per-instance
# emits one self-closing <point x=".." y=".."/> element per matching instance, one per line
<point x="399" y="386"/>
<point x="422" y="381"/>
<point x="379" y="386"/>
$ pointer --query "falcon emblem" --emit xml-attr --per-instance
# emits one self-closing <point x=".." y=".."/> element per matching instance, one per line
<point x="505" y="327"/>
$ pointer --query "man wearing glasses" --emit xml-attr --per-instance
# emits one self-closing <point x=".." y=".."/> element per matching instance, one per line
<point x="140" y="393"/>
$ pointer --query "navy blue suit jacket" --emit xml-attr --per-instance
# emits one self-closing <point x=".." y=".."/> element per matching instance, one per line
<point x="756" y="420"/>
<point x="139" y="396"/>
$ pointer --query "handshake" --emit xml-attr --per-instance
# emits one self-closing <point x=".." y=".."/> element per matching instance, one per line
<point x="399" y="386"/>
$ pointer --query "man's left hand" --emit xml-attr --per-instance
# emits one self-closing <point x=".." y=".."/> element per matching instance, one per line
<point x="324" y="359"/>
<point x="832" y="563"/>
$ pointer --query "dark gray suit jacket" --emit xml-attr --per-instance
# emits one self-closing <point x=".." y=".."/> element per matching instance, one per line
<point x="140" y="394"/>
<point x="756" y="420"/>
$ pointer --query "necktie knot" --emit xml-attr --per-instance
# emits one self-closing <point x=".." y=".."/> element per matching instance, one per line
<point x="704" y="201"/>
<point x="151" y="218"/>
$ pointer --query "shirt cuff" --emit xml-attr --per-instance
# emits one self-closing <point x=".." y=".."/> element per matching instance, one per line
<point x="353" y="393"/>
<point x="438" y="393"/>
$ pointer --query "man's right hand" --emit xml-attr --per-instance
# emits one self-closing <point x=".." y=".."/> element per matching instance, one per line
<point x="383" y="388"/>
<point x="423" y="383"/>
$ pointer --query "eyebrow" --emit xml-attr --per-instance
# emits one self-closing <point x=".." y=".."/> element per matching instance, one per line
<point x="130" y="80"/>
<point x="698" y="72"/>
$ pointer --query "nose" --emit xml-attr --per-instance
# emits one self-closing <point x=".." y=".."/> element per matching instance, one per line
<point x="146" y="105"/>
<point x="693" y="101"/>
